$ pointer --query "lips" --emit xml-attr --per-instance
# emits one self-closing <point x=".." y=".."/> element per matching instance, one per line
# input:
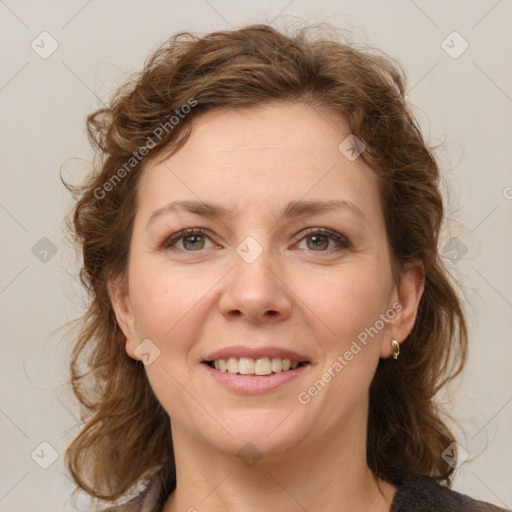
<point x="263" y="361"/>
<point x="255" y="353"/>
<point x="255" y="383"/>
<point x="249" y="370"/>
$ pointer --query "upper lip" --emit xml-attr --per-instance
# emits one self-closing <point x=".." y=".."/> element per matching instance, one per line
<point x="256" y="353"/>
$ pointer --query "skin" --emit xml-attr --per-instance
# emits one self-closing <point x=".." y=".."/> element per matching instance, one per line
<point x="314" y="298"/>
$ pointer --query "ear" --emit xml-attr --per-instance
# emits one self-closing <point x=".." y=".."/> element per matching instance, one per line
<point x="119" y="296"/>
<point x="407" y="295"/>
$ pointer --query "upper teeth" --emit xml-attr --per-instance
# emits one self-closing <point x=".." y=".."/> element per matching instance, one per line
<point x="249" y="366"/>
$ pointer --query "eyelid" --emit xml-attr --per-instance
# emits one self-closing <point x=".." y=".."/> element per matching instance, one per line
<point x="169" y="241"/>
<point x="339" y="238"/>
<point x="184" y="233"/>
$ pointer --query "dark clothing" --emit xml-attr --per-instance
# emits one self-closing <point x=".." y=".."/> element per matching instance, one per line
<point x="414" y="494"/>
<point x="424" y="494"/>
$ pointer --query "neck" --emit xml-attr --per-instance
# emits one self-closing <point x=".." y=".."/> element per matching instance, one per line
<point x="326" y="475"/>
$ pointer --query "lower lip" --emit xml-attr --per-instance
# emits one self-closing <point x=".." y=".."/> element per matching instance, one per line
<point x="255" y="384"/>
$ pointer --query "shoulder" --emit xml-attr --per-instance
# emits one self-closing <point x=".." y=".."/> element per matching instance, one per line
<point x="421" y="493"/>
<point x="156" y="490"/>
<point x="150" y="500"/>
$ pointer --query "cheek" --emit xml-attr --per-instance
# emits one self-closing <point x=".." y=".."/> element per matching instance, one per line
<point x="167" y="307"/>
<point x="340" y="308"/>
<point x="164" y="305"/>
<point x="343" y="304"/>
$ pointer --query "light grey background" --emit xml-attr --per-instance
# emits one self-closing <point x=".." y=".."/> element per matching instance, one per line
<point x="465" y="102"/>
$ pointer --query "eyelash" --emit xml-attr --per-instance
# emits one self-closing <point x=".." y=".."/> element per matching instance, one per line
<point x="185" y="233"/>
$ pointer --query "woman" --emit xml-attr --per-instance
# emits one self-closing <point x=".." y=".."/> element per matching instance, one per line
<point x="269" y="319"/>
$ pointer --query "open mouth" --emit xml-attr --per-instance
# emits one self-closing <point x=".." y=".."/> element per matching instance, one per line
<point x="258" y="367"/>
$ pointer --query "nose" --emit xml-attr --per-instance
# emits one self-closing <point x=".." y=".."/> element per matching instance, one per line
<point x="256" y="291"/>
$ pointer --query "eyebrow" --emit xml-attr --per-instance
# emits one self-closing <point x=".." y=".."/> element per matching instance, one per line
<point x="293" y="209"/>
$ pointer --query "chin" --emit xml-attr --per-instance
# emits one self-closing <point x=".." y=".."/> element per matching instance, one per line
<point x="269" y="434"/>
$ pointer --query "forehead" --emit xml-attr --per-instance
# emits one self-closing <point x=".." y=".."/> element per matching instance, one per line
<point x="256" y="158"/>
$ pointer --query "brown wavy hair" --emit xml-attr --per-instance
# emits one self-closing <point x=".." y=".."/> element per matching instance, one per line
<point x="126" y="437"/>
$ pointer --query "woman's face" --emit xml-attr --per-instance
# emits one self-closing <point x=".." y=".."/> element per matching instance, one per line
<point x="291" y="263"/>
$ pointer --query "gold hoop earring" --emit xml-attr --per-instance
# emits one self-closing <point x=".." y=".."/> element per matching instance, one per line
<point x="395" y="349"/>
